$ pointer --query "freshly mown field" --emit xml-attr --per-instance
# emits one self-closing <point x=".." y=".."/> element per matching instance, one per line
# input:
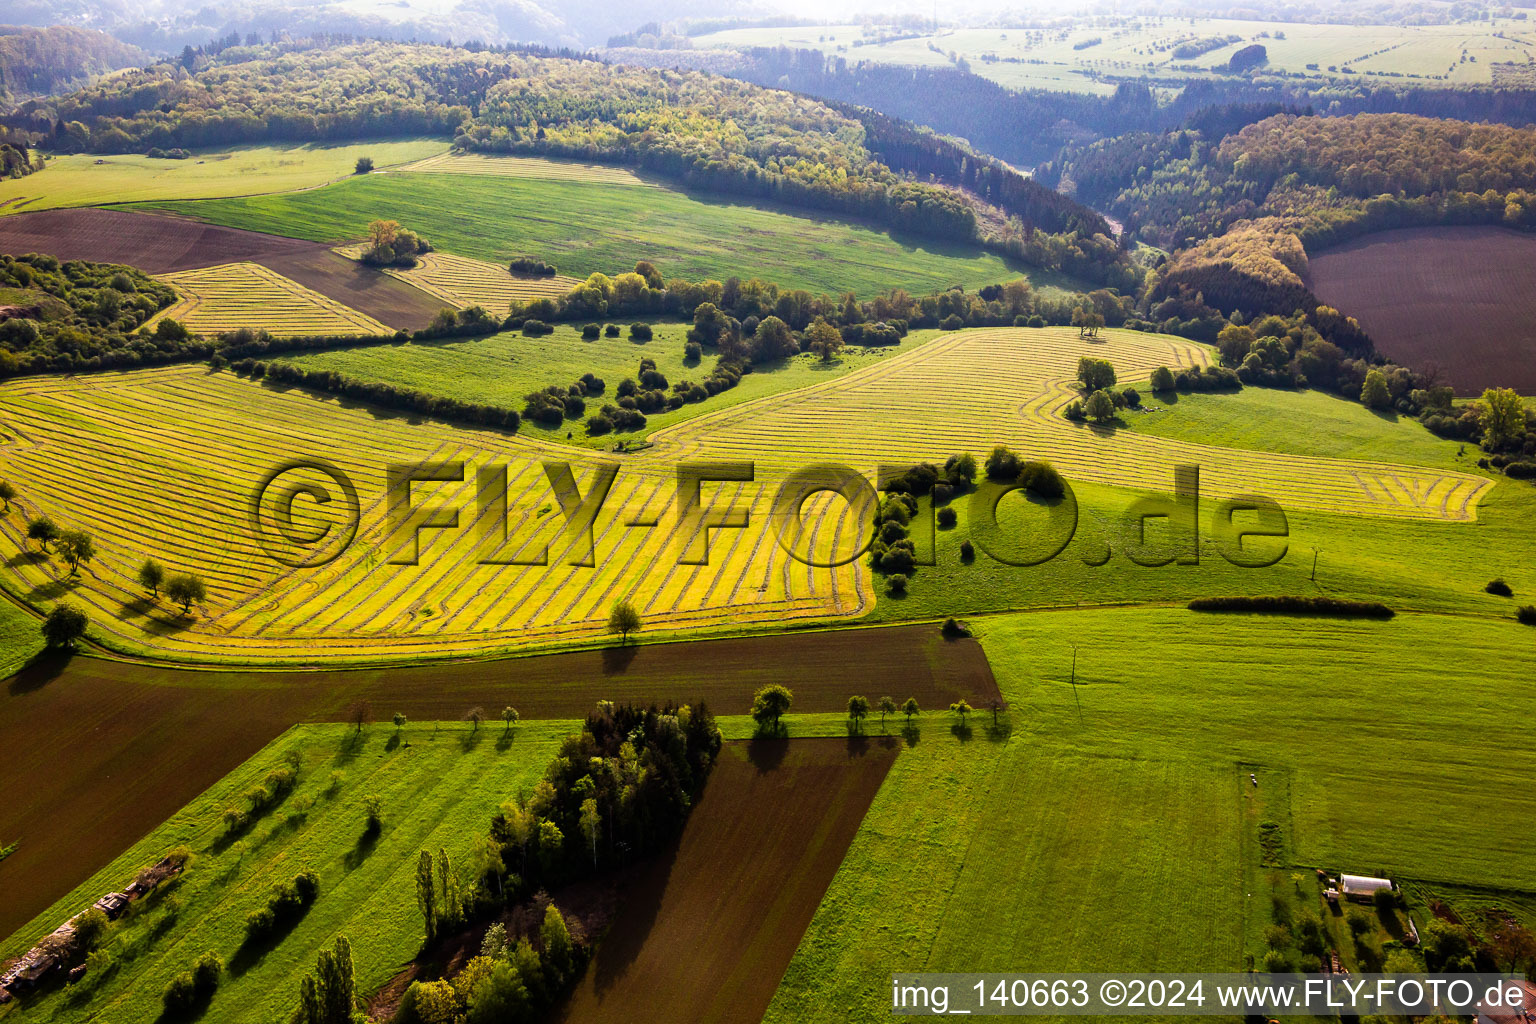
<point x="706" y="930"/>
<point x="1459" y="298"/>
<point x="122" y="450"/>
<point x="459" y="281"/>
<point x="1067" y="59"/>
<point x="86" y="179"/>
<point x="503" y="368"/>
<point x="226" y="298"/>
<point x="159" y="736"/>
<point x="582" y="227"/>
<point x="439" y="783"/>
<point x="1106" y="832"/>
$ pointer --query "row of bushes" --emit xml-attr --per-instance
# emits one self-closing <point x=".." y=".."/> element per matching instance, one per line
<point x="288" y="902"/>
<point x="1328" y="606"/>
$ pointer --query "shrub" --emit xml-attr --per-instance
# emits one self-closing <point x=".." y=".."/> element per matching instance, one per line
<point x="364" y="165"/>
<point x="954" y="628"/>
<point x="611" y="331"/>
<point x="1527" y="615"/>
<point x="1132" y="397"/>
<point x="531" y="266"/>
<point x="591" y="331"/>
<point x="1520" y="470"/>
<point x="693" y="352"/>
<point x="967" y="551"/>
<point x="536" y="328"/>
<point x="180" y="995"/>
<point x="1162" y="379"/>
<point x="951" y="323"/>
<point x="1002" y="465"/>
<point x="898" y="582"/>
<point x="1074" y="410"/>
<point x="640" y="332"/>
<point x="1041" y="478"/>
<point x="1499" y="588"/>
<point x="288" y="902"/>
<point x="947" y="517"/>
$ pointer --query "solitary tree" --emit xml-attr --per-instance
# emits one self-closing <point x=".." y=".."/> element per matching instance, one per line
<point x="510" y="716"/>
<point x="77" y="548"/>
<point x="909" y="709"/>
<point x="623" y="619"/>
<point x="886" y="706"/>
<point x="151" y="575"/>
<point x="184" y="588"/>
<point x="364" y="165"/>
<point x="43" y="531"/>
<point x="373" y="809"/>
<point x="64" y="625"/>
<point x="961" y="708"/>
<point x="858" y="708"/>
<point x="823" y="339"/>
<point x="769" y="704"/>
<point x="475" y="715"/>
<point x="400" y="721"/>
<point x="7" y="492"/>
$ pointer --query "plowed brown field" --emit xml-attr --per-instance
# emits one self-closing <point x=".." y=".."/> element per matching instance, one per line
<point x="1460" y="298"/>
<point x="705" y="932"/>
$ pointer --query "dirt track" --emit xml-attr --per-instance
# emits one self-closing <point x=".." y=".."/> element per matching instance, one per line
<point x="706" y="931"/>
<point x="1460" y="298"/>
<point x="97" y="753"/>
<point x="161" y="245"/>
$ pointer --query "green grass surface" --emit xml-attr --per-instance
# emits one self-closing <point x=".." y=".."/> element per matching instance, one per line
<point x="1310" y="423"/>
<point x="1107" y="831"/>
<point x="19" y="639"/>
<point x="439" y="788"/>
<point x="584" y="227"/>
<point x="502" y="369"/>
<point x="85" y="179"/>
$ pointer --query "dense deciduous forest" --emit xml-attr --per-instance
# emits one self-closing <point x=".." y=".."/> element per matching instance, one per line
<point x="38" y="61"/>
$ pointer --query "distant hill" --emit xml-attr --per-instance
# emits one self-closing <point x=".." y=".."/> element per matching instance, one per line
<point x="40" y="61"/>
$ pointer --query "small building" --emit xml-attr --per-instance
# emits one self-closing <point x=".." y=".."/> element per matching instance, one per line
<point x="1362" y="888"/>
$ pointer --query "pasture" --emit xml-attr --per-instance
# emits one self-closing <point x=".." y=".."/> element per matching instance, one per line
<point x="1459" y="298"/>
<point x="582" y="227"/>
<point x="1065" y="57"/>
<point x="980" y="856"/>
<point x="85" y="179"/>
<point x="528" y="167"/>
<point x="236" y="295"/>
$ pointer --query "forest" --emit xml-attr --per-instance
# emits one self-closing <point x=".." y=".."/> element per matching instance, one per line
<point x="39" y="61"/>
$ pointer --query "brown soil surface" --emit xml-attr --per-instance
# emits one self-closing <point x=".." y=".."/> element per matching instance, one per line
<point x="706" y="931"/>
<point x="1462" y="299"/>
<point x="159" y="244"/>
<point x="99" y="752"/>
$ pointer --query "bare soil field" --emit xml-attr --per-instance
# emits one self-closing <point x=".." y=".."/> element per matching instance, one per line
<point x="164" y="245"/>
<point x="98" y="752"/>
<point x="706" y="931"/>
<point x="1460" y="298"/>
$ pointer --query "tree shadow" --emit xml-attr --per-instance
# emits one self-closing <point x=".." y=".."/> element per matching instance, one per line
<point x="50" y="591"/>
<point x="504" y="741"/>
<point x="471" y="741"/>
<point x="767" y="752"/>
<point x="632" y="927"/>
<point x="393" y="743"/>
<point x="999" y="731"/>
<point x="616" y="660"/>
<point x="138" y="607"/>
<point x="363" y="849"/>
<point x="41" y="669"/>
<point x="910" y="734"/>
<point x="962" y="731"/>
<point x="27" y="557"/>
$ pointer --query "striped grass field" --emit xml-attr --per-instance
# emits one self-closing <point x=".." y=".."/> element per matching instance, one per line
<point x="527" y="167"/>
<point x="461" y="281"/>
<point x="235" y="295"/>
<point x="124" y="456"/>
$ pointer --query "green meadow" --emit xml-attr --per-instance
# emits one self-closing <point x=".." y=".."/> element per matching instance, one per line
<point x="19" y="638"/>
<point x="85" y="179"/>
<point x="1106" y="829"/>
<point x="583" y="227"/>
<point x="504" y="368"/>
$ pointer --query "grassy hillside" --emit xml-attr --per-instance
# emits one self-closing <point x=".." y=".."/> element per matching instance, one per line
<point x="583" y="227"/>
<point x="977" y="857"/>
<point x="84" y="179"/>
<point x="502" y="369"/>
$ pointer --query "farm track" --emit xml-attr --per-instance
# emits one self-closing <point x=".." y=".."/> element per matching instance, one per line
<point x="99" y="751"/>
